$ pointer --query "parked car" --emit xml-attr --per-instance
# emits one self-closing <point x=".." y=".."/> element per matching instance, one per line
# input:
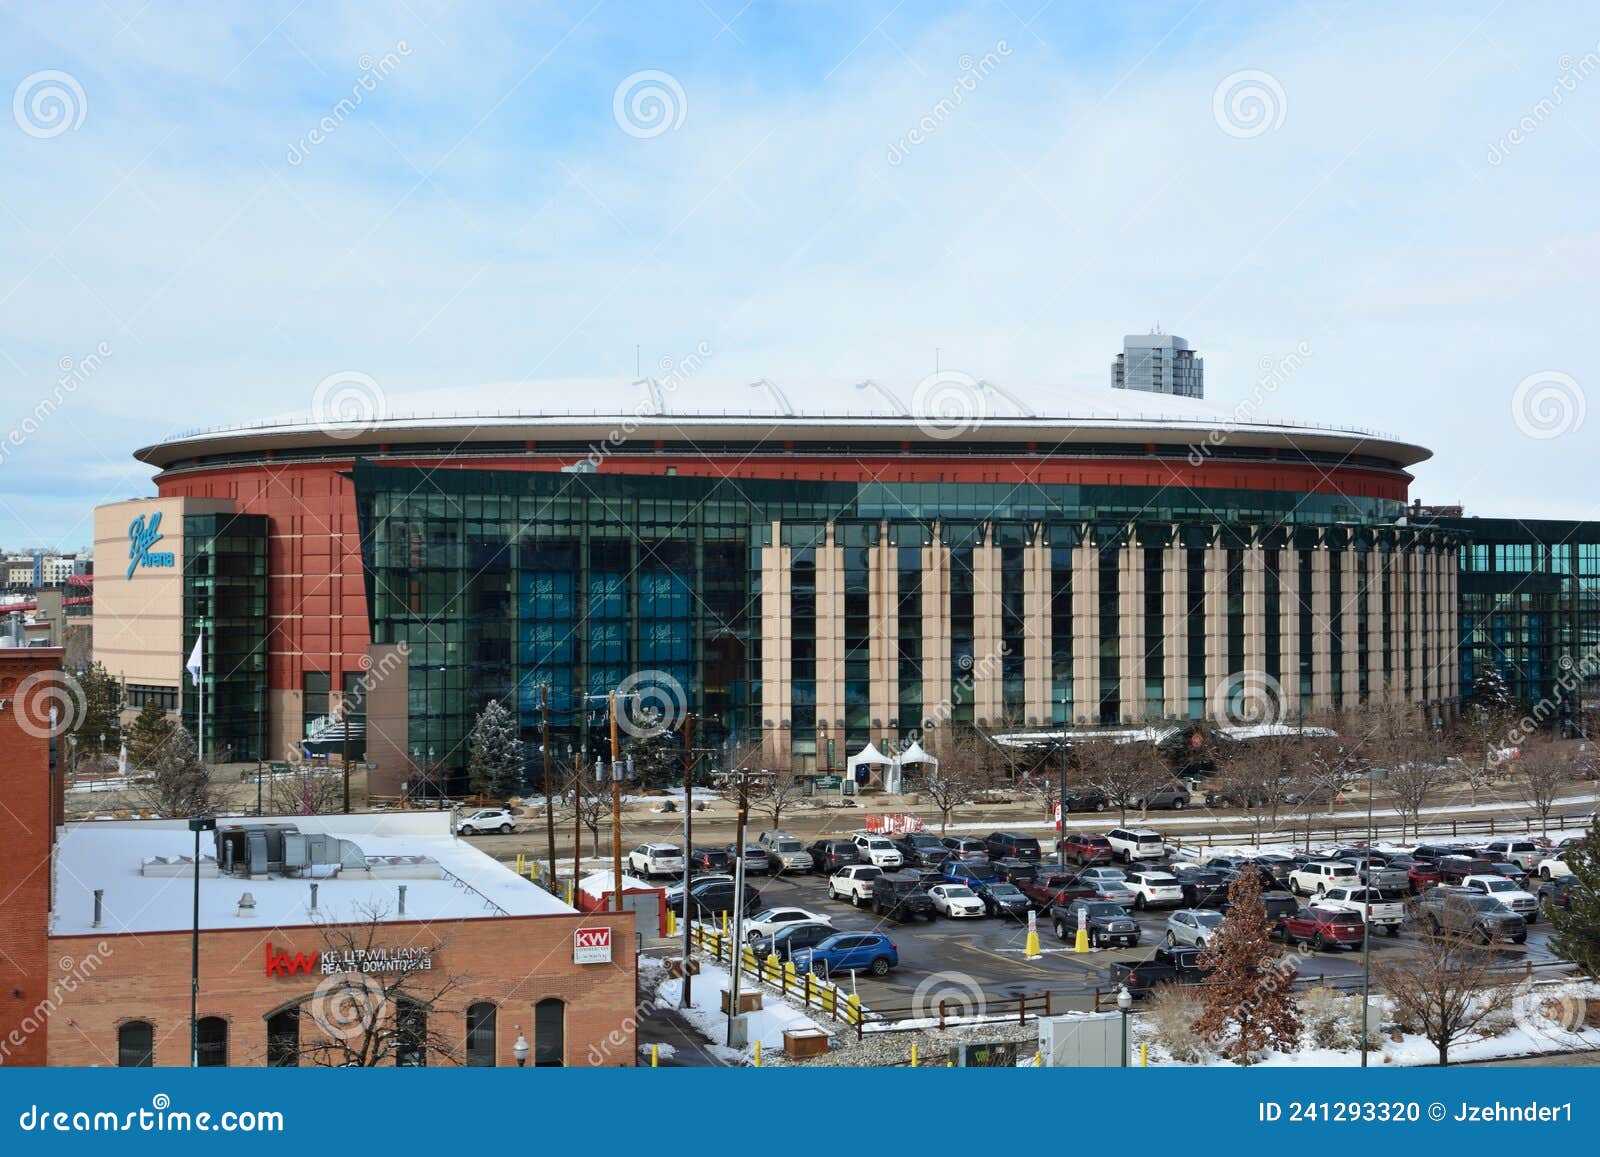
<point x="902" y="895"/>
<point x="711" y="860"/>
<point x="1129" y="844"/>
<point x="922" y="851"/>
<point x="969" y="873"/>
<point x="1320" y="875"/>
<point x="1554" y="867"/>
<point x="956" y="900"/>
<point x="878" y="851"/>
<point x="1107" y="884"/>
<point x="487" y="819"/>
<point x="1014" y="871"/>
<point x="1512" y="871"/>
<point x="1557" y="893"/>
<point x="1165" y="966"/>
<point x="1086" y="799"/>
<point x="1003" y="898"/>
<point x="1432" y="853"/>
<point x="1376" y="873"/>
<point x="784" y="852"/>
<point x="1524" y="904"/>
<point x="650" y="860"/>
<point x="1224" y="861"/>
<point x="1108" y="924"/>
<point x="853" y="883"/>
<point x="1324" y="928"/>
<point x="1202" y="887"/>
<point x="1192" y="926"/>
<point x="756" y="860"/>
<point x="674" y="892"/>
<point x="1048" y="890"/>
<point x="1081" y="848"/>
<point x="870" y="952"/>
<point x="1421" y="875"/>
<point x="1155" y="890"/>
<point x="1277" y="865"/>
<point x="788" y="939"/>
<point x="1371" y="904"/>
<point x="828" y="856"/>
<point x="1523" y="852"/>
<point x="1172" y="795"/>
<point x="966" y="848"/>
<point x="1277" y="905"/>
<point x="769" y="920"/>
<point x="709" y="899"/>
<point x="1010" y="845"/>
<point x="1454" y="870"/>
<point x="1467" y="913"/>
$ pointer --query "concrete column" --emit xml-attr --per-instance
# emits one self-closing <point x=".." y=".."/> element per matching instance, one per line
<point x="1289" y="628"/>
<point x="987" y="701"/>
<point x="1174" y="610"/>
<point x="1085" y="633"/>
<point x="1255" y="609"/>
<point x="1452" y="581"/>
<point x="1216" y="606"/>
<point x="830" y="635"/>
<point x="1414" y="613"/>
<point x="936" y="635"/>
<point x="1396" y="642"/>
<point x="1374" y="595"/>
<point x="776" y="650"/>
<point x="1130" y="623"/>
<point x="1036" y="628"/>
<point x="1350" y="622"/>
<point x="883" y="625"/>
<point x="1322" y="627"/>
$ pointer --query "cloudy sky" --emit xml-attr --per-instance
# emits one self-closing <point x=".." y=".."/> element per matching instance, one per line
<point x="204" y="214"/>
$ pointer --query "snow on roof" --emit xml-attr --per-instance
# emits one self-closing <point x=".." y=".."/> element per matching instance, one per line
<point x="599" y="883"/>
<point x="108" y="855"/>
<point x="1153" y="734"/>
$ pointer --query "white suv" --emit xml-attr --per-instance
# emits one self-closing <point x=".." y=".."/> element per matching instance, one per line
<point x="853" y="883"/>
<point x="1320" y="875"/>
<point x="879" y="852"/>
<point x="1129" y="844"/>
<point x="1155" y="890"/>
<point x="487" y="819"/>
<point x="649" y="860"/>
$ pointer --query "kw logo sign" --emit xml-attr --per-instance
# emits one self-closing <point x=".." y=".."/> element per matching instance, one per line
<point x="280" y="963"/>
<point x="591" y="946"/>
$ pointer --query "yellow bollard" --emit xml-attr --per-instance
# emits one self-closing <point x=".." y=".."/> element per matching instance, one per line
<point x="1081" y="944"/>
<point x="808" y="985"/>
<point x="830" y="999"/>
<point x="1144" y="1056"/>
<point x="1038" y="1060"/>
<point x="654" y="1057"/>
<point x="724" y="923"/>
<point x="672" y="922"/>
<point x="1030" y="947"/>
<point x="852" y="1009"/>
<point x="789" y="976"/>
<point x="913" y="1054"/>
<point x="758" y="1052"/>
<point x="535" y="871"/>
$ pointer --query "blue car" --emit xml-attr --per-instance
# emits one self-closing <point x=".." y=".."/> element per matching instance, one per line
<point x="850" y="952"/>
<point x="970" y="874"/>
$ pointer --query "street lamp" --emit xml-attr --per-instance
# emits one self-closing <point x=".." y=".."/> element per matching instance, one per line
<point x="1125" y="1006"/>
<point x="197" y="825"/>
<point x="519" y="1048"/>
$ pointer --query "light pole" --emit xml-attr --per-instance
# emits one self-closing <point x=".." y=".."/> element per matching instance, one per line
<point x="197" y="825"/>
<point x="1124" y="1006"/>
<point x="519" y="1048"/>
<point x="1373" y="773"/>
<point x="741" y="779"/>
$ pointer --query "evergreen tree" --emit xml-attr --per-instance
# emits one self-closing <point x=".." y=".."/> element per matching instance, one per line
<point x="1490" y="693"/>
<point x="177" y="786"/>
<point x="1575" y="931"/>
<point x="147" y="734"/>
<point x="1250" y="992"/>
<point x="101" y="714"/>
<point x="494" y="753"/>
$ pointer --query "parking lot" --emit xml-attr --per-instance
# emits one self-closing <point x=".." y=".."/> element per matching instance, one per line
<point x="969" y="958"/>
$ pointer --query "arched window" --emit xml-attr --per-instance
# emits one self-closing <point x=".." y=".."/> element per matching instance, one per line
<point x="411" y="1032"/>
<point x="213" y="1042"/>
<point x="480" y="1035"/>
<point x="283" y="1038"/>
<point x="549" y="1034"/>
<point x="136" y="1045"/>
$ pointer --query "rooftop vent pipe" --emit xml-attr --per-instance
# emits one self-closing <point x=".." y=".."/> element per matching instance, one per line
<point x="99" y="905"/>
<point x="402" y="911"/>
<point x="313" y="897"/>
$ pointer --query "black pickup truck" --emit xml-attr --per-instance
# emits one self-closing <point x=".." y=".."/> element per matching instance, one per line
<point x="1178" y="965"/>
<point x="902" y="895"/>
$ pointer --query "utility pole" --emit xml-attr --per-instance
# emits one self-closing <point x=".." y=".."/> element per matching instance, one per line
<point x="549" y="784"/>
<point x="687" y="1000"/>
<point x="742" y="777"/>
<point x="616" y="808"/>
<point x="344" y="710"/>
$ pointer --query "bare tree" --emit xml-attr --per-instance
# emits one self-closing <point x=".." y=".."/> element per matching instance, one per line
<point x="1444" y="985"/>
<point x="963" y="771"/>
<point x="1255" y="776"/>
<point x="1540" y="773"/>
<point x="593" y="801"/>
<point x="1331" y="765"/>
<point x="175" y="786"/>
<point x="1124" y="773"/>
<point x="1412" y="758"/>
<point x="379" y="1006"/>
<point x="773" y="795"/>
<point x="308" y="790"/>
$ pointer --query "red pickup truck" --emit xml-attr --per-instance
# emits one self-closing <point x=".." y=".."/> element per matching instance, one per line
<point x="1050" y="889"/>
<point x="1324" y="928"/>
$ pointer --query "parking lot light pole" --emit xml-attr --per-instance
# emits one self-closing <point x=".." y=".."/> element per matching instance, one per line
<point x="1124" y="1006"/>
<point x="197" y="825"/>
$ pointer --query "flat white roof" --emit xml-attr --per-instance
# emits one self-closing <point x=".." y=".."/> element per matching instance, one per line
<point x="109" y="855"/>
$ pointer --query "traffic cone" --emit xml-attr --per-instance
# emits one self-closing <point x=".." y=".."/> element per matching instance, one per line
<point x="1081" y="944"/>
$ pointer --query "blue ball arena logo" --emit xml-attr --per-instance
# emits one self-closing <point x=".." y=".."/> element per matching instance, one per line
<point x="141" y="537"/>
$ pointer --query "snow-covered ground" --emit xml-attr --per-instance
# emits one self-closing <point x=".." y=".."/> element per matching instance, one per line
<point x="705" y="1015"/>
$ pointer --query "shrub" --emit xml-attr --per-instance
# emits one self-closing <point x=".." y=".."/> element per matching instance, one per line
<point x="1171" y="1013"/>
<point x="1332" y="1020"/>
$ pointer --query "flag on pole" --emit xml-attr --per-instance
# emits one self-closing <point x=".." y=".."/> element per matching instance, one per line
<point x="193" y="665"/>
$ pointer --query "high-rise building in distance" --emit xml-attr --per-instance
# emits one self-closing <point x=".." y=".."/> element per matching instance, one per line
<point x="1159" y="363"/>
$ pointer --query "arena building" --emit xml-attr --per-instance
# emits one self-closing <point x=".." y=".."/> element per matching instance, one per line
<point x="808" y="584"/>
